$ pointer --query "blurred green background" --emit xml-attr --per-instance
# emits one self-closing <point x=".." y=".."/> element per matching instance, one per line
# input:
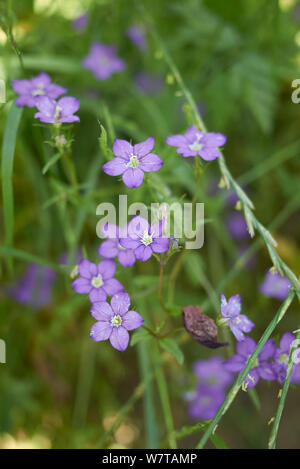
<point x="58" y="388"/>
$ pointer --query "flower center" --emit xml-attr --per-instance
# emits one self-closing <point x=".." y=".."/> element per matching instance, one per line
<point x="212" y="380"/>
<point x="116" y="321"/>
<point x="147" y="238"/>
<point x="103" y="60"/>
<point x="97" y="282"/>
<point x="121" y="247"/>
<point x="58" y="110"/>
<point x="283" y="358"/>
<point x="39" y="90"/>
<point x="134" y="161"/>
<point x="196" y="146"/>
<point x="206" y="401"/>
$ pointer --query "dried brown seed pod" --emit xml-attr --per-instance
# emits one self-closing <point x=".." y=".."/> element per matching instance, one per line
<point x="201" y="327"/>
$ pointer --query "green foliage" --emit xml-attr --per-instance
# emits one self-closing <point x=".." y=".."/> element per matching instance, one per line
<point x="237" y="62"/>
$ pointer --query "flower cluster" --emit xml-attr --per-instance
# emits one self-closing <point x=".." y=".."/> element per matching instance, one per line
<point x="41" y="93"/>
<point x="271" y="363"/>
<point x="214" y="375"/>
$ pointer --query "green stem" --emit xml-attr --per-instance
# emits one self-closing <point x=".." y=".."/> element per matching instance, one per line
<point x="286" y="385"/>
<point x="165" y="401"/>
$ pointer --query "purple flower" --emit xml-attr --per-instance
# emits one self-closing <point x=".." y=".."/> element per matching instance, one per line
<point x="263" y="367"/>
<point x="112" y="248"/>
<point x="238" y="323"/>
<point x="133" y="161"/>
<point x="148" y="83"/>
<point x="137" y="35"/>
<point x="41" y="85"/>
<point x="275" y="286"/>
<point x="194" y="142"/>
<point x="212" y="373"/>
<point x="54" y="112"/>
<point x="237" y="226"/>
<point x="34" y="289"/>
<point x="97" y="280"/>
<point x="205" y="402"/>
<point x="80" y="23"/>
<point x="102" y="61"/>
<point x="145" y="239"/>
<point x="281" y="358"/>
<point x="114" y="321"/>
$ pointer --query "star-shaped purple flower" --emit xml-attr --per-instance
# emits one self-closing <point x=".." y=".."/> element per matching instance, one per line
<point x="275" y="286"/>
<point x="263" y="368"/>
<point x="54" y="112"/>
<point x="133" y="161"/>
<point x="281" y="359"/>
<point x="114" y="321"/>
<point x="212" y="373"/>
<point x="97" y="280"/>
<point x="112" y="248"/>
<point x="145" y="239"/>
<point x="103" y="61"/>
<point x="194" y="142"/>
<point x="238" y="323"/>
<point x="41" y="85"/>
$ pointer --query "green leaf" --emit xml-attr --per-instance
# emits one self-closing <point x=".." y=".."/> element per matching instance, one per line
<point x="8" y="151"/>
<point x="103" y="144"/>
<point x="189" y="430"/>
<point x="51" y="162"/>
<point x="218" y="441"/>
<point x="140" y="334"/>
<point x="171" y="346"/>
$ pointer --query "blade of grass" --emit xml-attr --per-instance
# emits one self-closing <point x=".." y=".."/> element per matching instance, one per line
<point x="7" y="162"/>
<point x="144" y="354"/>
<point x="165" y="400"/>
<point x="149" y="408"/>
<point x="27" y="257"/>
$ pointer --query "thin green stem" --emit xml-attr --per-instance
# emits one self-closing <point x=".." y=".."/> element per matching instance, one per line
<point x="165" y="401"/>
<point x="286" y="385"/>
